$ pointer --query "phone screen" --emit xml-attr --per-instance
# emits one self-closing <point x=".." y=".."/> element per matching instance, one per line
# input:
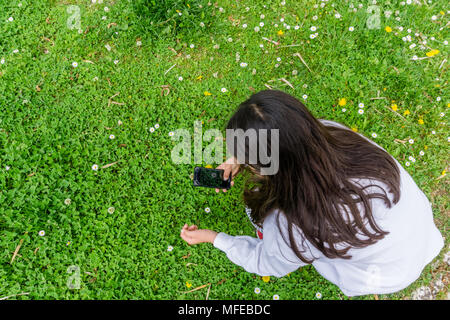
<point x="210" y="178"/>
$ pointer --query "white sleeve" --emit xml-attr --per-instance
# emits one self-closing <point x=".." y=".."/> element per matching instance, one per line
<point x="271" y="256"/>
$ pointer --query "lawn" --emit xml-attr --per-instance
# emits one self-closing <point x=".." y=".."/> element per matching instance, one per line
<point x="88" y="189"/>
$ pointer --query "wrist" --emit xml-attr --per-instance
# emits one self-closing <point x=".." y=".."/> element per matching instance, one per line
<point x="212" y="237"/>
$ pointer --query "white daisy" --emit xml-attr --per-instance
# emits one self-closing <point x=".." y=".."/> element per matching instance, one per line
<point x="313" y="28"/>
<point x="318" y="295"/>
<point x="411" y="141"/>
<point x="361" y="105"/>
<point x="2" y="61"/>
<point x="262" y="16"/>
<point x="7" y="168"/>
<point x="108" y="47"/>
<point x="438" y="99"/>
<point x="152" y="129"/>
<point x="106" y="9"/>
<point x="10" y="19"/>
<point x="312" y="36"/>
<point x="276" y="297"/>
<point x="111" y="210"/>
<point x="337" y="16"/>
<point x="95" y="167"/>
<point x="169" y="248"/>
<point x="42" y="233"/>
<point x="171" y="134"/>
<point x="351" y="29"/>
<point x="315" y="18"/>
<point x="361" y="111"/>
<point x="344" y="110"/>
<point x="243" y="64"/>
<point x="116" y="61"/>
<point x="192" y="46"/>
<point x="294" y="72"/>
<point x="224" y="90"/>
<point x="421" y="153"/>
<point x="244" y="25"/>
<point x="207" y="210"/>
<point x="407" y="163"/>
<point x="257" y="290"/>
<point x="119" y="123"/>
<point x="374" y="135"/>
<point x="261" y="24"/>
<point x="180" y="78"/>
<point x="112" y="137"/>
<point x="230" y="39"/>
<point x="202" y="24"/>
<point x="256" y="29"/>
<point x="67" y="202"/>
<point x="156" y="125"/>
<point x="305" y="97"/>
<point x="139" y="43"/>
<point x="74" y="64"/>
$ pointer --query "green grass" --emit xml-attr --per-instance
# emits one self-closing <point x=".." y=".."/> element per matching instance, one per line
<point x="56" y="120"/>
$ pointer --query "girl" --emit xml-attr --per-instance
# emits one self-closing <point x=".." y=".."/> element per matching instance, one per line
<point x="338" y="201"/>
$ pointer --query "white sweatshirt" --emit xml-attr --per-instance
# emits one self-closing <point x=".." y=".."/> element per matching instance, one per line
<point x="389" y="265"/>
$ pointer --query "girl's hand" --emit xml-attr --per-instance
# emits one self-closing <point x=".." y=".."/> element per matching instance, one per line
<point x="230" y="166"/>
<point x="193" y="235"/>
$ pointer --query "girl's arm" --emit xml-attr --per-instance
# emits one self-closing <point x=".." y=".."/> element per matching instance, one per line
<point x="271" y="256"/>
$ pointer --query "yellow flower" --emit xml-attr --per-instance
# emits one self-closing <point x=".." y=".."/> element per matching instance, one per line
<point x="444" y="172"/>
<point x="355" y="129"/>
<point x="199" y="77"/>
<point x="188" y="5"/>
<point x="207" y="93"/>
<point x="342" y="102"/>
<point x="388" y="29"/>
<point x="266" y="278"/>
<point x="188" y="284"/>
<point x="394" y="107"/>
<point x="432" y="53"/>
<point x="442" y="12"/>
<point x="280" y="32"/>
<point x="420" y="121"/>
<point x="406" y="112"/>
<point x="208" y="166"/>
<point x="425" y="147"/>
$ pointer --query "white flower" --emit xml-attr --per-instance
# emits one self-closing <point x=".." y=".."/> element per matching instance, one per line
<point x="230" y="39"/>
<point x="433" y="132"/>
<point x="207" y="210"/>
<point x="104" y="18"/>
<point x="108" y="47"/>
<point x="243" y="64"/>
<point x="221" y="9"/>
<point x="67" y="202"/>
<point x="156" y="125"/>
<point x="407" y="163"/>
<point x="16" y="51"/>
<point x="169" y="248"/>
<point x="42" y="233"/>
<point x="262" y="16"/>
<point x="415" y="57"/>
<point x="374" y="135"/>
<point x="7" y="168"/>
<point x="202" y="24"/>
<point x="412" y="159"/>
<point x="192" y="46"/>
<point x="318" y="295"/>
<point x="276" y="297"/>
<point x="421" y="153"/>
<point x="257" y="290"/>
<point x="244" y="25"/>
<point x="297" y="27"/>
<point x="294" y="72"/>
<point x="313" y="28"/>
<point x="171" y="133"/>
<point x="116" y="61"/>
<point x="180" y="78"/>
<point x="344" y="110"/>
<point x="361" y="105"/>
<point x="223" y="90"/>
<point x="413" y="45"/>
<point x="312" y="36"/>
<point x="314" y="18"/>
<point x="351" y="29"/>
<point x="434" y="18"/>
<point x="441" y="114"/>
<point x="2" y="61"/>
<point x="361" y="111"/>
<point x="112" y="137"/>
<point x="152" y="129"/>
<point x="95" y="167"/>
<point x="119" y="123"/>
<point x="411" y="141"/>
<point x="111" y="210"/>
<point x="10" y="19"/>
<point x="261" y="24"/>
<point x="106" y="9"/>
<point x="216" y="46"/>
<point x="74" y="64"/>
<point x="337" y="16"/>
<point x="438" y="99"/>
<point x="445" y="42"/>
<point x="305" y="97"/>
<point x="256" y="29"/>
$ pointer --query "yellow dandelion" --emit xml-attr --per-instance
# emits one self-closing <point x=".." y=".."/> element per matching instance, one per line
<point x="280" y="32"/>
<point x="355" y="129"/>
<point x="188" y="284"/>
<point x="384" y="89"/>
<point x="444" y="172"/>
<point x="394" y="107"/>
<point x="199" y="77"/>
<point x="208" y="166"/>
<point x="342" y="102"/>
<point x="442" y="12"/>
<point x="266" y="278"/>
<point x="207" y="93"/>
<point x="432" y="53"/>
<point x="188" y="5"/>
<point x="425" y="147"/>
<point x="420" y="121"/>
<point x="388" y="29"/>
<point x="406" y="112"/>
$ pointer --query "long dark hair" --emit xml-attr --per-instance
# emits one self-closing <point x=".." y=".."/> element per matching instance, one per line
<point x="316" y="186"/>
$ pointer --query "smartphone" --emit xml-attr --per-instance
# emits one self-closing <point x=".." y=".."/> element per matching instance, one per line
<point x="210" y="178"/>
